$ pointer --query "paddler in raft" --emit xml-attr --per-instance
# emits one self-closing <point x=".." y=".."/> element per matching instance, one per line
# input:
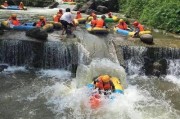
<point x="41" y="22"/>
<point x="138" y="28"/>
<point x="100" y="23"/>
<point x="122" y="25"/>
<point x="104" y="84"/>
<point x="5" y="4"/>
<point x="13" y="21"/>
<point x="21" y="5"/>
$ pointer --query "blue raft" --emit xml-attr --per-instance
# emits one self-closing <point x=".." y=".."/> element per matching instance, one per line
<point x="121" y="32"/>
<point x="12" y="7"/>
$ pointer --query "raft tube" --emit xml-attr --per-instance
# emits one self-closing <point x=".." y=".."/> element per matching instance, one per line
<point x="140" y="33"/>
<point x="56" y="25"/>
<point x="69" y="3"/>
<point x="121" y="32"/>
<point x="23" y="27"/>
<point x="12" y="7"/>
<point x="79" y="21"/>
<point x="96" y="30"/>
<point x="107" y="19"/>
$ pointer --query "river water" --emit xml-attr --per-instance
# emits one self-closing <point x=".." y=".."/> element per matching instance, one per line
<point x="50" y="93"/>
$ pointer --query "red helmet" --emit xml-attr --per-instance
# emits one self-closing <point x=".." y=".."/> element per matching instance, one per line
<point x="135" y="23"/>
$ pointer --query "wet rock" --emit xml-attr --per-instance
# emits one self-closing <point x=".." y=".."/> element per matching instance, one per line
<point x="3" y="66"/>
<point x="147" y="38"/>
<point x="53" y="5"/>
<point x="37" y="33"/>
<point x="102" y="9"/>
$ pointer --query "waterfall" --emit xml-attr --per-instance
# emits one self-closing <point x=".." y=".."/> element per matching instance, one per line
<point x="49" y="55"/>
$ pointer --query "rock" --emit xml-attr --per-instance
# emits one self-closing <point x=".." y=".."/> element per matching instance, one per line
<point x="147" y="38"/>
<point x="53" y="5"/>
<point x="37" y="33"/>
<point x="3" y="66"/>
<point x="88" y="5"/>
<point x="102" y="9"/>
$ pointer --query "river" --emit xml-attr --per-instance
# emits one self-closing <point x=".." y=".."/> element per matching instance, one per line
<point x="52" y="92"/>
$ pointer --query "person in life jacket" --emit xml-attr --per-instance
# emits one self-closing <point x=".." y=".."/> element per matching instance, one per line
<point x="103" y="83"/>
<point x="13" y="21"/>
<point x="56" y="18"/>
<point x="122" y="25"/>
<point x="78" y="16"/>
<point x="21" y="5"/>
<point x="110" y="14"/>
<point x="138" y="28"/>
<point x="100" y="23"/>
<point x="5" y="4"/>
<point x="41" y="21"/>
<point x="93" y="21"/>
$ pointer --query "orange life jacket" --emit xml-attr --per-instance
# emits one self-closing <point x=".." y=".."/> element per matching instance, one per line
<point x="5" y="4"/>
<point x="93" y="22"/>
<point x="100" y="23"/>
<point x="122" y="25"/>
<point x="103" y="85"/>
<point x="140" y="27"/>
<point x="78" y="16"/>
<point x="56" y="18"/>
<point x="15" y="22"/>
<point x="41" y="23"/>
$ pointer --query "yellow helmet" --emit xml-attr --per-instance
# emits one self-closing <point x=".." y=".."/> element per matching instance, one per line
<point x="121" y="20"/>
<point x="14" y="15"/>
<point x="41" y="17"/>
<point x="106" y="78"/>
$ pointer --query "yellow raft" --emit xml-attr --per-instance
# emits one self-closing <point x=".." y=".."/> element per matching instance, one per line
<point x="69" y="3"/>
<point x="56" y="25"/>
<point x="117" y="85"/>
<point x="140" y="33"/>
<point x="79" y="21"/>
<point x="107" y="19"/>
<point x="96" y="30"/>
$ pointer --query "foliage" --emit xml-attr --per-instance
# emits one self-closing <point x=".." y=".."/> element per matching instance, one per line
<point x="163" y="14"/>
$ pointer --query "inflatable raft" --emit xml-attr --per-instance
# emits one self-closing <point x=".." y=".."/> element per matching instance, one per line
<point x="107" y="19"/>
<point x="95" y="99"/>
<point x="69" y="3"/>
<point x="12" y="7"/>
<point x="56" y="25"/>
<point x="23" y="27"/>
<point x="128" y="33"/>
<point x="79" y="21"/>
<point x="96" y="30"/>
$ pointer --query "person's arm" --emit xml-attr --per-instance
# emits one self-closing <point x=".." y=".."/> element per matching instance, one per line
<point x="105" y="24"/>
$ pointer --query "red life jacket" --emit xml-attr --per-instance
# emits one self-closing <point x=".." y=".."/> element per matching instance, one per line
<point x="40" y="23"/>
<point x="122" y="26"/>
<point x="100" y="23"/>
<point x="78" y="16"/>
<point x="103" y="85"/>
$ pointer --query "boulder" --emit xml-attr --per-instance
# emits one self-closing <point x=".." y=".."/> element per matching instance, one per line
<point x="102" y="9"/>
<point x="53" y="5"/>
<point x="147" y="38"/>
<point x="37" y="33"/>
<point x="3" y="66"/>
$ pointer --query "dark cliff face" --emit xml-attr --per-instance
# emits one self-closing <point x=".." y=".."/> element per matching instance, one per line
<point x="34" y="3"/>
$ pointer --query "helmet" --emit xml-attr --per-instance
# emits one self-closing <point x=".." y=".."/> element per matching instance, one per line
<point x="41" y="17"/>
<point x="121" y="20"/>
<point x="105" y="78"/>
<point x="21" y="2"/>
<point x="5" y="1"/>
<point x="14" y="15"/>
<point x="135" y="23"/>
<point x="78" y="12"/>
